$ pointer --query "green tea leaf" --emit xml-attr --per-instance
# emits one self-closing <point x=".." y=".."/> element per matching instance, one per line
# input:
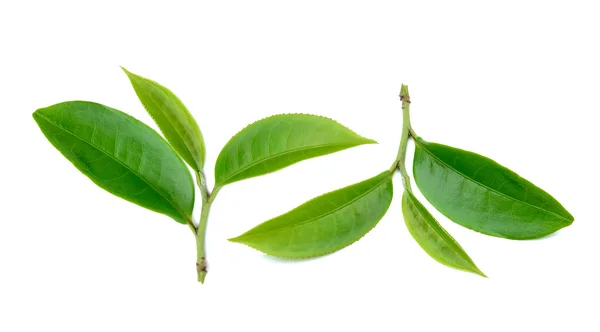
<point x="173" y="119"/>
<point x="480" y="194"/>
<point x="324" y="224"/>
<point x="121" y="155"/>
<point x="434" y="239"/>
<point x="280" y="141"/>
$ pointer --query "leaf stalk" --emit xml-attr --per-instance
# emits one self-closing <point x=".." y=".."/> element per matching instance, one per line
<point x="201" y="182"/>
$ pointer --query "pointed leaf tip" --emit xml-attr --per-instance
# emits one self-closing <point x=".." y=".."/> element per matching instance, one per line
<point x="127" y="72"/>
<point x="479" y="272"/>
<point x="235" y="239"/>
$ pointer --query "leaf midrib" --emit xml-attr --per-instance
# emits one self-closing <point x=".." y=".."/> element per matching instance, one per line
<point x="324" y="214"/>
<point x="485" y="186"/>
<point x="238" y="172"/>
<point x="118" y="162"/>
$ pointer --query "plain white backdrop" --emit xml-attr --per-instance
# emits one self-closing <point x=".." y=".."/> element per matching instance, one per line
<point x="517" y="81"/>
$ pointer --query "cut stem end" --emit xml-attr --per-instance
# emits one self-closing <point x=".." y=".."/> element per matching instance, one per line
<point x="201" y="268"/>
<point x="404" y="96"/>
<point x="201" y="276"/>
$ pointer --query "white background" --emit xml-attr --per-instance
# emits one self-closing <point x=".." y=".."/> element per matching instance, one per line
<point x="517" y="81"/>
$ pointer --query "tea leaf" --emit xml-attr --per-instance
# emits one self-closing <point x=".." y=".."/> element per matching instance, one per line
<point x="324" y="224"/>
<point x="173" y="119"/>
<point x="480" y="194"/>
<point x="280" y="141"/>
<point x="434" y="239"/>
<point x="121" y="155"/>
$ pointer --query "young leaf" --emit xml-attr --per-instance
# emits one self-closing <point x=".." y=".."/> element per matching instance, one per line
<point x="480" y="194"/>
<point x="324" y="224"/>
<point x="280" y="141"/>
<point x="433" y="238"/>
<point x="121" y="155"/>
<point x="173" y="119"/>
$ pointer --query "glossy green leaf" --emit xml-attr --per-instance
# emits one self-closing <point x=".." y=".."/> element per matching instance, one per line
<point x="121" y="155"/>
<point x="478" y="193"/>
<point x="173" y="119"/>
<point x="279" y="141"/>
<point x="433" y="238"/>
<point x="324" y="224"/>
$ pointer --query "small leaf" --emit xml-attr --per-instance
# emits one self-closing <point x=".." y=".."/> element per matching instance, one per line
<point x="324" y="224"/>
<point x="434" y="239"/>
<point x="173" y="119"/>
<point x="280" y="141"/>
<point x="480" y="194"/>
<point x="121" y="155"/>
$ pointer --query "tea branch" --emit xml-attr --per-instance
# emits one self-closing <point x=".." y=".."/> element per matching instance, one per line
<point x="407" y="132"/>
<point x="208" y="198"/>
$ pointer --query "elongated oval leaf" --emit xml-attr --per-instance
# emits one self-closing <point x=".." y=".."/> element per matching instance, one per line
<point x="173" y="119"/>
<point x="478" y="193"/>
<point x="324" y="224"/>
<point x="433" y="238"/>
<point x="279" y="141"/>
<point x="121" y="155"/>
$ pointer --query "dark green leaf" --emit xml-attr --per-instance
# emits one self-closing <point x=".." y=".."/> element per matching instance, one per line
<point x="324" y="224"/>
<point x="433" y="238"/>
<point x="121" y="155"/>
<point x="279" y="141"/>
<point x="173" y="119"/>
<point x="480" y="194"/>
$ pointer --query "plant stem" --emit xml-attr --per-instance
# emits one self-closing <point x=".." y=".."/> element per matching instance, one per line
<point x="200" y="232"/>
<point x="407" y="131"/>
<point x="201" y="182"/>
<point x="200" y="245"/>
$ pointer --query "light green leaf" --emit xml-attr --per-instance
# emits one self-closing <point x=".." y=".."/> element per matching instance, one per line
<point x="434" y="239"/>
<point x="279" y="141"/>
<point x="121" y="155"/>
<point x="478" y="193"/>
<point x="173" y="119"/>
<point x="324" y="224"/>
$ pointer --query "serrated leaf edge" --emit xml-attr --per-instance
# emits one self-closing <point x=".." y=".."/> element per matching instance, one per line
<point x="371" y="141"/>
<point x="229" y="180"/>
<point x="443" y="234"/>
<point x="388" y="178"/>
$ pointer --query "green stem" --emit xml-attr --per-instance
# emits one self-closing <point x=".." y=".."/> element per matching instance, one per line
<point x="407" y="131"/>
<point x="200" y="232"/>
<point x="201" y="182"/>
